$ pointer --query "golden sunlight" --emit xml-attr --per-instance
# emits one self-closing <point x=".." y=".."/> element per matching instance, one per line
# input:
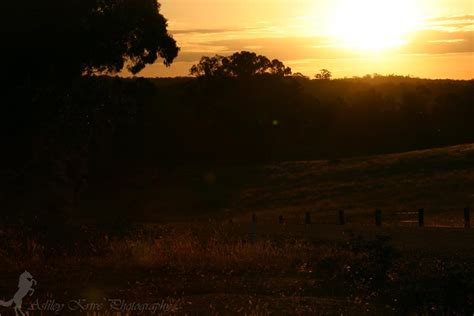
<point x="372" y="24"/>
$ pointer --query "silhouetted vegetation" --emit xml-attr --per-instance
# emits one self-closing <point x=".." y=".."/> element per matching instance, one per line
<point x="286" y="118"/>
<point x="60" y="39"/>
<point x="356" y="275"/>
<point x="57" y="118"/>
<point x="60" y="140"/>
<point x="323" y="74"/>
<point x="239" y="65"/>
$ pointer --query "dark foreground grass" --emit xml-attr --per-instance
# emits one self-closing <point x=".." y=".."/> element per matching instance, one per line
<point x="217" y="269"/>
<point x="200" y="263"/>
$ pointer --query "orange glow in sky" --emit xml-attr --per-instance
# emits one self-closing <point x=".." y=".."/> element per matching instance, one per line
<point x="372" y="24"/>
<point x="423" y="38"/>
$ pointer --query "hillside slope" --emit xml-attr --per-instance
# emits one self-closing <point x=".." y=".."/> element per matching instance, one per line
<point x="439" y="180"/>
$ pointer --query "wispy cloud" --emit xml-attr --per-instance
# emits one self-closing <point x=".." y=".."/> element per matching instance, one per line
<point x="435" y="41"/>
<point x="207" y="31"/>
<point x="457" y="40"/>
<point x="450" y="23"/>
<point x="466" y="17"/>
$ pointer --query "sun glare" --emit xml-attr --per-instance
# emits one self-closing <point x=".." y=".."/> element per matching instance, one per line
<point x="372" y="24"/>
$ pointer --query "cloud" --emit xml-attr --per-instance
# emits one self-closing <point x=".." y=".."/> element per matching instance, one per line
<point x="293" y="48"/>
<point x="447" y="41"/>
<point x="441" y="42"/>
<point x="467" y="17"/>
<point x="280" y="47"/>
<point x="253" y="47"/>
<point x="205" y="31"/>
<point x="196" y="43"/>
<point x="440" y="37"/>
<point x="451" y="23"/>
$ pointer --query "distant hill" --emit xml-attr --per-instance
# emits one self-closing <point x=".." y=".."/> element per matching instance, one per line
<point x="439" y="180"/>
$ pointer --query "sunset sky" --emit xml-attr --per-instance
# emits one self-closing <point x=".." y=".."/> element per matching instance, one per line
<point x="422" y="38"/>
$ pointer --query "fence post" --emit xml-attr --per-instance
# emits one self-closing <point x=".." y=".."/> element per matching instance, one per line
<point x="467" y="217"/>
<point x="342" y="220"/>
<point x="281" y="221"/>
<point x="378" y="217"/>
<point x="421" y="217"/>
<point x="307" y="218"/>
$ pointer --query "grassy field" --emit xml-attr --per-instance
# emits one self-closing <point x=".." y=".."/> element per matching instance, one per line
<point x="439" y="180"/>
<point x="220" y="269"/>
<point x="201" y="254"/>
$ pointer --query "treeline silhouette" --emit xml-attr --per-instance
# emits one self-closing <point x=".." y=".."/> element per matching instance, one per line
<point x="232" y="119"/>
<point x="61" y="139"/>
<point x="282" y="118"/>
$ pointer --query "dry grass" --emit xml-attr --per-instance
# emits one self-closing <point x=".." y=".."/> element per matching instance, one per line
<point x="181" y="250"/>
<point x="186" y="252"/>
<point x="209" y="270"/>
<point x="288" y="267"/>
<point x="439" y="180"/>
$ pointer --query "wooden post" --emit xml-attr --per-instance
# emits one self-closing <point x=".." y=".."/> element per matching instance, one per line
<point x="421" y="217"/>
<point x="378" y="218"/>
<point x="342" y="220"/>
<point x="467" y="217"/>
<point x="281" y="221"/>
<point x="254" y="218"/>
<point x="307" y="218"/>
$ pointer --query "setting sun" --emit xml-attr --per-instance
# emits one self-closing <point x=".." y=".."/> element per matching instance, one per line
<point x="372" y="24"/>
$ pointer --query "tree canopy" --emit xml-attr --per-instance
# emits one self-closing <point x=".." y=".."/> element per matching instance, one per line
<point x="242" y="64"/>
<point x="323" y="74"/>
<point x="74" y="37"/>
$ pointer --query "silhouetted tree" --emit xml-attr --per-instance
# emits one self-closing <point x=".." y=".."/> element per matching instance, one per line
<point x="56" y="124"/>
<point x="279" y="69"/>
<point x="210" y="66"/>
<point x="324" y="74"/>
<point x="242" y="64"/>
<point x="299" y="75"/>
<point x="74" y="37"/>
